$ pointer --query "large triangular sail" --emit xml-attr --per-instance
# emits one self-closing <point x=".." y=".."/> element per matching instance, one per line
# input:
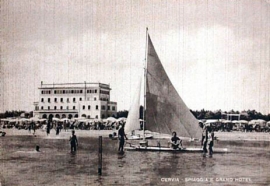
<point x="133" y="122"/>
<point x="165" y="110"/>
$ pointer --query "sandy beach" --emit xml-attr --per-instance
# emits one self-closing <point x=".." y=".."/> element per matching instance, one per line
<point x="222" y="136"/>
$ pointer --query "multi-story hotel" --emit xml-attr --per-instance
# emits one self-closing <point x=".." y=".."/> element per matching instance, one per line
<point x="69" y="100"/>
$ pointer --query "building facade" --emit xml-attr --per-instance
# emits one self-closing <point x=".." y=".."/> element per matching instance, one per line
<point x="69" y="100"/>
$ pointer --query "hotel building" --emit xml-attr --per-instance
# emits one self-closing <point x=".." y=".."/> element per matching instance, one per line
<point x="69" y="100"/>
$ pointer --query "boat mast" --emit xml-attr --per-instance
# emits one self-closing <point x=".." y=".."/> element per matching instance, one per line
<point x="145" y="73"/>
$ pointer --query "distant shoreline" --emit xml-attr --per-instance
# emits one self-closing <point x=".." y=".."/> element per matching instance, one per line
<point x="221" y="136"/>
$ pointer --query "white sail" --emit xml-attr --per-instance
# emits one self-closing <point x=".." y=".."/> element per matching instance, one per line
<point x="133" y="122"/>
<point x="165" y="110"/>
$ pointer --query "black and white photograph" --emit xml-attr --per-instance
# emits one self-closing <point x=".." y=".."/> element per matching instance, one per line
<point x="134" y="92"/>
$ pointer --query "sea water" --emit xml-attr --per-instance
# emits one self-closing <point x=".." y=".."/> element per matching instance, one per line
<point x="247" y="163"/>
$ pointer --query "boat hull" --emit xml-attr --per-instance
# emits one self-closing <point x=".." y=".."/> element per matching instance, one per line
<point x="167" y="149"/>
<point x="147" y="136"/>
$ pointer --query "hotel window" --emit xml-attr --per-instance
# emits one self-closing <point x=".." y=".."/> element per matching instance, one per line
<point x="49" y="108"/>
<point x="55" y="99"/>
<point x="109" y="107"/>
<point x="64" y="91"/>
<point x="71" y="91"/>
<point x="95" y="90"/>
<point x="67" y="107"/>
<point x="68" y="100"/>
<point x="42" y="92"/>
<point x="80" y="99"/>
<point x="41" y="107"/>
<point x="49" y="100"/>
<point x="113" y="108"/>
<point x="55" y="107"/>
<point x="96" y="116"/>
<point x="96" y="107"/>
<point x="61" y="107"/>
<point x="61" y="99"/>
<point x="95" y="98"/>
<point x="81" y="91"/>
<point x="103" y="107"/>
<point x="55" y="92"/>
<point x="74" y="99"/>
<point x="42" y="99"/>
<point x="83" y="107"/>
<point x="89" y="107"/>
<point x="74" y="107"/>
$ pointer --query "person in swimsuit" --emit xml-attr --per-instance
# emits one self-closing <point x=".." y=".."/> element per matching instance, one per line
<point x="175" y="141"/>
<point x="210" y="140"/>
<point x="121" y="137"/>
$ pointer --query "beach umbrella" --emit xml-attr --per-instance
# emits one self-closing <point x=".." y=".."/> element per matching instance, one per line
<point x="64" y="119"/>
<point x="261" y="120"/>
<point x="55" y="119"/>
<point x="112" y="119"/>
<point x="34" y="119"/>
<point x="243" y="121"/>
<point x="23" y="119"/>
<point x="42" y="120"/>
<point x="122" y="119"/>
<point x="226" y="121"/>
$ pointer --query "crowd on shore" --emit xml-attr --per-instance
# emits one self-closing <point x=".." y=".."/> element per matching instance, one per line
<point x="64" y="124"/>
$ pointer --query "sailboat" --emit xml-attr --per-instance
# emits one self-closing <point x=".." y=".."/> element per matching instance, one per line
<point x="165" y="111"/>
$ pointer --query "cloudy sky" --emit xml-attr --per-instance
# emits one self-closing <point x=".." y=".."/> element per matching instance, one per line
<point x="216" y="52"/>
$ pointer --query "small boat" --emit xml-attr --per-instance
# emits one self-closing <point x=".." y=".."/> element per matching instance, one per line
<point x="168" y="149"/>
<point x="164" y="110"/>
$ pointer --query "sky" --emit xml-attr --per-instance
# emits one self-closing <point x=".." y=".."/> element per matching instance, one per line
<point x="216" y="52"/>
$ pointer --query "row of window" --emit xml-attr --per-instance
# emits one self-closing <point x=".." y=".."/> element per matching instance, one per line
<point x="62" y="99"/>
<point x="89" y="91"/>
<point x="69" y="116"/>
<point x="45" y="92"/>
<point x="83" y="107"/>
<point x="104" y="92"/>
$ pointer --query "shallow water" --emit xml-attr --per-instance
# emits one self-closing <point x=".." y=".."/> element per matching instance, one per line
<point x="54" y="165"/>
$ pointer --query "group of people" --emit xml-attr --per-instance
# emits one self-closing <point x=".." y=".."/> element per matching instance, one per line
<point x="176" y="143"/>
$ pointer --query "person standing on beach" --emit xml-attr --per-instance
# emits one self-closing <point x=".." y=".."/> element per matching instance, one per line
<point x="73" y="142"/>
<point x="48" y="128"/>
<point x="58" y="129"/>
<point x="121" y="137"/>
<point x="29" y="127"/>
<point x="204" y="139"/>
<point x="210" y="140"/>
<point x="33" y="126"/>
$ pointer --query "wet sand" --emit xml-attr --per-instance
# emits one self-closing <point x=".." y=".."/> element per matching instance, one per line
<point x="54" y="165"/>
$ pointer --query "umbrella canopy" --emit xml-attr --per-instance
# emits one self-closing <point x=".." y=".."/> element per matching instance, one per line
<point x="243" y="121"/>
<point x="23" y="119"/>
<point x="257" y="121"/>
<point x="42" y="120"/>
<point x="211" y="121"/>
<point x="55" y="119"/>
<point x="111" y="119"/>
<point x="226" y="121"/>
<point x="34" y="119"/>
<point x="122" y="119"/>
